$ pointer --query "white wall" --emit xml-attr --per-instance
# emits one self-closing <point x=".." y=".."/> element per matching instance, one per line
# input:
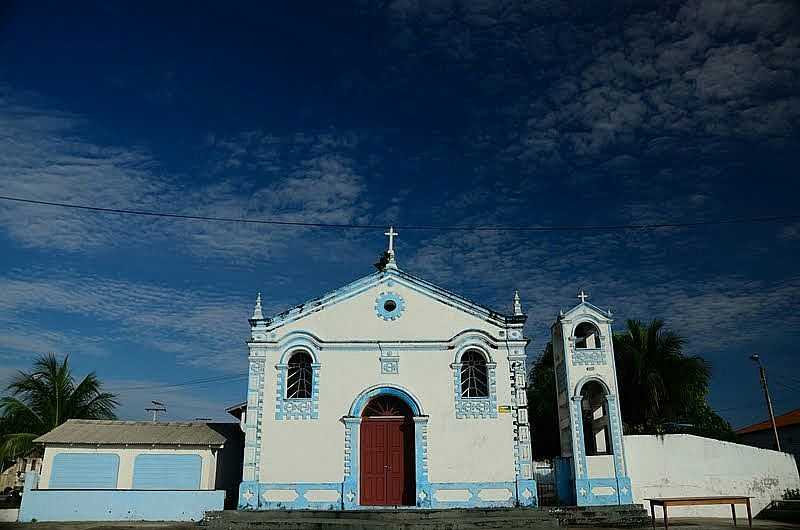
<point x="682" y="465"/>
<point x="459" y="450"/>
<point x="127" y="455"/>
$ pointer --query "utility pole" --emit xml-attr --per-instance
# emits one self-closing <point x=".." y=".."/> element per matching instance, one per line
<point x="763" y="374"/>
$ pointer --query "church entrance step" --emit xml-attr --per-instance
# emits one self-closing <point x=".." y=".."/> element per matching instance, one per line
<point x="625" y="516"/>
<point x="388" y="519"/>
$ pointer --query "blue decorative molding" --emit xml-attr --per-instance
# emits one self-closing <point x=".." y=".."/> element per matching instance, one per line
<point x="527" y="494"/>
<point x="351" y="455"/>
<point x="582" y="357"/>
<point x="385" y="389"/>
<point x="523" y="465"/>
<point x="598" y="491"/>
<point x="390" y="362"/>
<point x="386" y="314"/>
<point x="253" y="423"/>
<point x="475" y="407"/>
<point x="337" y="496"/>
<point x="474" y="494"/>
<point x="300" y="496"/>
<point x="296" y="408"/>
<point x="616" y="434"/>
<point x="578" y="451"/>
<point x="423" y="490"/>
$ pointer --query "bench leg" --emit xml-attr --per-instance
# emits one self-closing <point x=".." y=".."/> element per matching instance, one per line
<point x="733" y="511"/>
<point x="666" y="521"/>
<point x="653" y="514"/>
<point x="749" y="515"/>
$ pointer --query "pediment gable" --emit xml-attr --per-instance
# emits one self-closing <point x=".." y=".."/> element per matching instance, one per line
<point x="586" y="309"/>
<point x="387" y="305"/>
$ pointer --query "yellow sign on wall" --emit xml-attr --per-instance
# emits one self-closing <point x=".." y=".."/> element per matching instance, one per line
<point x="504" y="409"/>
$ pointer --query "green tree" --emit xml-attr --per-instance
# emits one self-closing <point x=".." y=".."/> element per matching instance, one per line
<point x="542" y="406"/>
<point x="661" y="388"/>
<point x="43" y="399"/>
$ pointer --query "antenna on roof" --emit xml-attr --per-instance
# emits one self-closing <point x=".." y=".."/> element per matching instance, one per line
<point x="155" y="409"/>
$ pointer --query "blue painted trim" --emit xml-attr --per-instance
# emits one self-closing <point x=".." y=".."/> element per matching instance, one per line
<point x="527" y="493"/>
<point x="587" y="495"/>
<point x="248" y="495"/>
<point x="350" y="490"/>
<point x="253" y="423"/>
<point x="474" y="499"/>
<point x="390" y="362"/>
<point x="382" y="312"/>
<point x="578" y="449"/>
<point x="583" y="380"/>
<point x="116" y="505"/>
<point x="593" y="357"/>
<point x="624" y="490"/>
<point x="423" y="489"/>
<point x="296" y="408"/>
<point x="385" y="389"/>
<point x="475" y="407"/>
<point x="300" y="501"/>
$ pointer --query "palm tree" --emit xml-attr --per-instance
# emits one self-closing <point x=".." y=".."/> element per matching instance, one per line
<point x="43" y="399"/>
<point x="658" y="383"/>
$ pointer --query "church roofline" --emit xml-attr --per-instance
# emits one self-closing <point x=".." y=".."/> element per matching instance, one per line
<point x="315" y="304"/>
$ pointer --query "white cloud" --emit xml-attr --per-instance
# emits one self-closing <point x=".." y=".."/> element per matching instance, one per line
<point x="47" y="155"/>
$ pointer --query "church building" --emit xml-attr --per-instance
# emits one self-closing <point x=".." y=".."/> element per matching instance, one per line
<point x="389" y="391"/>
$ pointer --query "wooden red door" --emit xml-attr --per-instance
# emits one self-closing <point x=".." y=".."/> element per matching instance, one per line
<point x="385" y="462"/>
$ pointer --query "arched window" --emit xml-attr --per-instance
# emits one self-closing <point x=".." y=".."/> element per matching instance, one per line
<point x="596" y="430"/>
<point x="587" y="336"/>
<point x="474" y="376"/>
<point x="299" y="378"/>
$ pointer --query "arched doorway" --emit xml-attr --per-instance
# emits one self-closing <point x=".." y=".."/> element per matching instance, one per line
<point x="387" y="453"/>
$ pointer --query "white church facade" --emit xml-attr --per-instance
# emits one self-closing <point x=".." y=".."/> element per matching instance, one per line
<point x="391" y="391"/>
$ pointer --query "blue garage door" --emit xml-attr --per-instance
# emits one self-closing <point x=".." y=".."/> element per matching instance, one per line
<point x="167" y="472"/>
<point x="84" y="471"/>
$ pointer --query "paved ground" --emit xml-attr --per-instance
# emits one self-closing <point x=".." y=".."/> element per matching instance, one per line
<point x="677" y="524"/>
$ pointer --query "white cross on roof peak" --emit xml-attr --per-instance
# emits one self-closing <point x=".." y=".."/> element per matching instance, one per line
<point x="583" y="296"/>
<point x="391" y="233"/>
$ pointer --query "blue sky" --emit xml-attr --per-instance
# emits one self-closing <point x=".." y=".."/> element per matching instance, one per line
<point x="438" y="112"/>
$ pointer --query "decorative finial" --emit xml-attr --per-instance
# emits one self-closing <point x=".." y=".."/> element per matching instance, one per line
<point x="257" y="314"/>
<point x="517" y="304"/>
<point x="583" y="296"/>
<point x="390" y="253"/>
<point x="561" y="312"/>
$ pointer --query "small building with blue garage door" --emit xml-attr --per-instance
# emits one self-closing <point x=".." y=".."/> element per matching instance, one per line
<point x="99" y="470"/>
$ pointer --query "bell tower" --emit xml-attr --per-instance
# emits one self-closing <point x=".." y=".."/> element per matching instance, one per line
<point x="592" y="469"/>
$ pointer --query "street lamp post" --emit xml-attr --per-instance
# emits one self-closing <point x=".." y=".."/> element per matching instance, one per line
<point x="763" y="374"/>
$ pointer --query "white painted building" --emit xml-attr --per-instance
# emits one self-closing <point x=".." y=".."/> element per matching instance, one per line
<point x="387" y="392"/>
<point x="97" y="470"/>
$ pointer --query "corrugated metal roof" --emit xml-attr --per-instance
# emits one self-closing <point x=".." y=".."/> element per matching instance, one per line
<point x="107" y="432"/>
<point x="784" y="420"/>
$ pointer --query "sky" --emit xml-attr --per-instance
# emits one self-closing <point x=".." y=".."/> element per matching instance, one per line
<point x="438" y="113"/>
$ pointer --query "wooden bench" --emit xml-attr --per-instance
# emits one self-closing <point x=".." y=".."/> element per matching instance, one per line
<point x="698" y="501"/>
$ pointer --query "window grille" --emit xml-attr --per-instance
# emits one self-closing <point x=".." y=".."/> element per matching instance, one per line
<point x="474" y="375"/>
<point x="300" y="377"/>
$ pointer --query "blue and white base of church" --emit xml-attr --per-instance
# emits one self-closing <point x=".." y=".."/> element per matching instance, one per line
<point x="342" y="496"/>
